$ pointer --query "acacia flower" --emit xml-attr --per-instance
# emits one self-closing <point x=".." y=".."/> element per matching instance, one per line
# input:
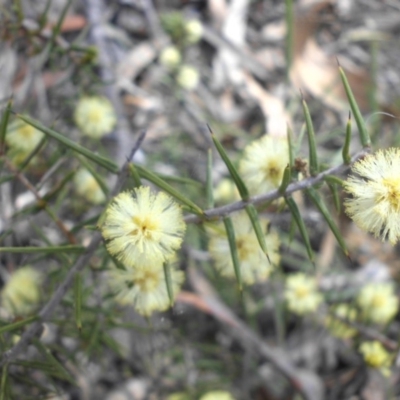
<point x="378" y="303"/>
<point x="22" y="137"/>
<point x="193" y="31"/>
<point x="263" y="164"/>
<point x="170" y="57"/>
<point x="375" y="189"/>
<point x="336" y="326"/>
<point x="145" y="287"/>
<point x="226" y="192"/>
<point x="376" y="356"/>
<point x="141" y="225"/>
<point x="254" y="264"/>
<point x="21" y="293"/>
<point x="187" y="77"/>
<point x="217" y="395"/>
<point x="87" y="187"/>
<point x="301" y="294"/>
<point x="95" y="116"/>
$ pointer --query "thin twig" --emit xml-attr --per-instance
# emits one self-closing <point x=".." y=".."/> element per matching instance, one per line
<point x="47" y="311"/>
<point x="218" y="212"/>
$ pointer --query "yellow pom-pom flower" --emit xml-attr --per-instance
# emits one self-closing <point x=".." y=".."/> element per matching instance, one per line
<point x="375" y="189"/>
<point x="21" y="293"/>
<point x="187" y="77"/>
<point x="193" y="31"/>
<point x="22" y="137"/>
<point x="254" y="264"/>
<point x="376" y="356"/>
<point x="217" y="395"/>
<point x="142" y="226"/>
<point x="336" y="326"/>
<point x="95" y="116"/>
<point x="87" y="187"/>
<point x="301" y="294"/>
<point x="263" y="164"/>
<point x="378" y="302"/>
<point x="226" y="192"/>
<point x="170" y="57"/>
<point x="145" y="287"/>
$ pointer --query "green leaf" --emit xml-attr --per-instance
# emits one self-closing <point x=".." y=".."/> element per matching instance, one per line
<point x="335" y="194"/>
<point x="3" y="126"/>
<point x="18" y="325"/>
<point x="244" y="193"/>
<point x="328" y="218"/>
<point x="4" y="384"/>
<point x="314" y="169"/>
<point x="255" y="221"/>
<point x="135" y="175"/>
<point x="362" y="129"/>
<point x="286" y="179"/>
<point x="300" y="224"/>
<point x="209" y="180"/>
<point x="150" y="176"/>
<point x="346" y="146"/>
<point x="230" y="232"/>
<point x="102" y="161"/>
<point x="78" y="300"/>
<point x="70" y="248"/>
<point x="289" y="135"/>
<point x="168" y="282"/>
<point x="57" y="368"/>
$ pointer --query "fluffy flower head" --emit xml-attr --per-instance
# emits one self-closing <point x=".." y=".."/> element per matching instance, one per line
<point x="217" y="395"/>
<point x="87" y="187"/>
<point x="95" y="116"/>
<point x="378" y="302"/>
<point x="254" y="264"/>
<point x="193" y="31"/>
<point x="142" y="226"/>
<point x="376" y="356"/>
<point x="21" y="294"/>
<point x="301" y="294"/>
<point x="22" y="137"/>
<point x="339" y="328"/>
<point x="263" y="164"/>
<point x="170" y="57"/>
<point x="187" y="77"/>
<point x="375" y="189"/>
<point x="145" y="287"/>
<point x="226" y="192"/>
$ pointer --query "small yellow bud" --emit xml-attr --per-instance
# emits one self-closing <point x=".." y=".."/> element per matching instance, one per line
<point x="187" y="77"/>
<point x="170" y="57"/>
<point x="21" y="294"/>
<point x="194" y="31"/>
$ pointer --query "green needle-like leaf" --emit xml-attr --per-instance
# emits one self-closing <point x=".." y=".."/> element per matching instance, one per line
<point x="362" y="129"/>
<point x="17" y="325"/>
<point x="3" y="126"/>
<point x="316" y="198"/>
<point x="209" y="182"/>
<point x="102" y="161"/>
<point x="244" y="193"/>
<point x="346" y="146"/>
<point x="234" y="253"/>
<point x="300" y="224"/>
<point x="78" y="300"/>
<point x="135" y="175"/>
<point x="333" y="187"/>
<point x="287" y="177"/>
<point x="314" y="169"/>
<point x="289" y="135"/>
<point x="168" y="282"/>
<point x="255" y="221"/>
<point x="150" y="176"/>
<point x="3" y="387"/>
